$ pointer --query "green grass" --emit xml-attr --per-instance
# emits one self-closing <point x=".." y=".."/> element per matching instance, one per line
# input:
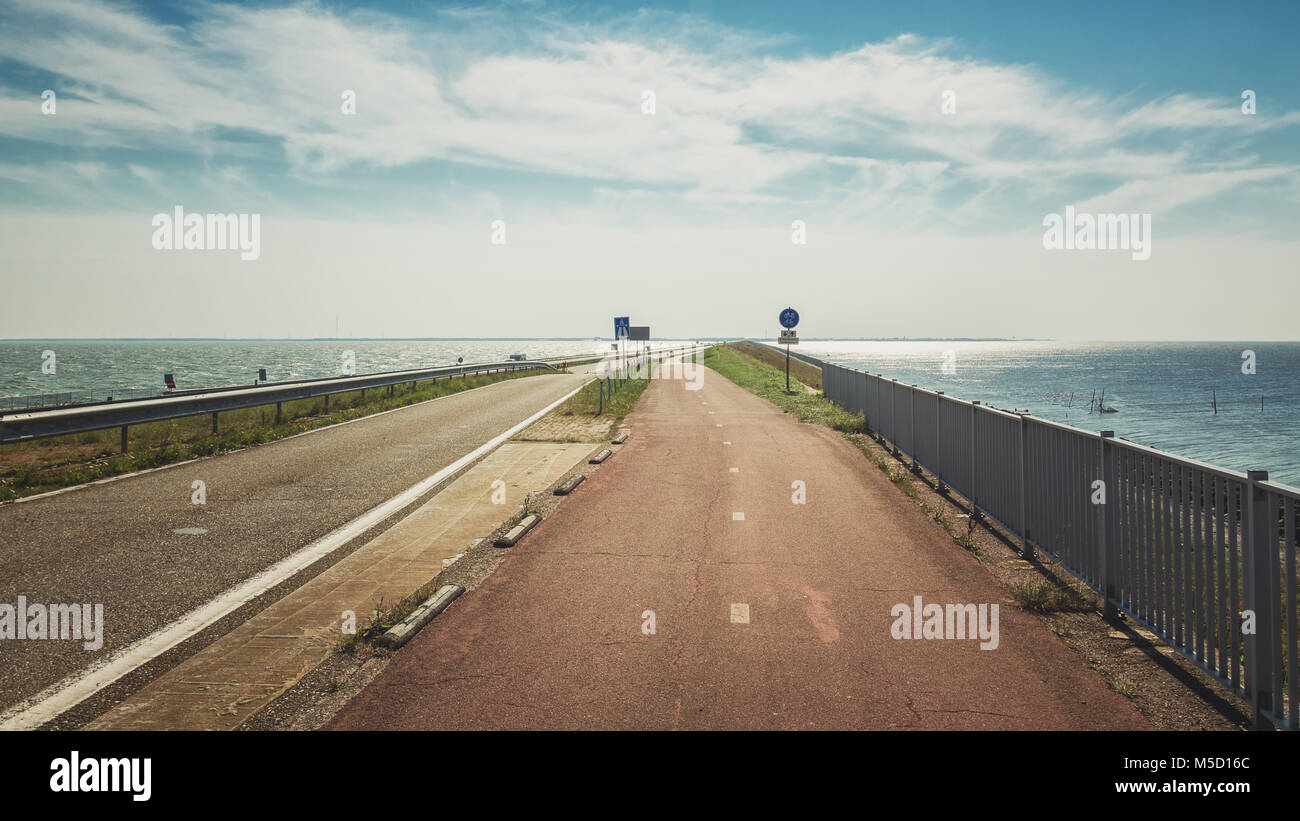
<point x="769" y="383"/>
<point x="1045" y="597"/>
<point x="810" y="375"/>
<point x="48" y="464"/>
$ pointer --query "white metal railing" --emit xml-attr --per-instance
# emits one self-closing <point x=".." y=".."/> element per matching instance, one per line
<point x="1189" y="549"/>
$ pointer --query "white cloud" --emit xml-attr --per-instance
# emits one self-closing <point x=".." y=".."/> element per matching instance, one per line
<point x="733" y="123"/>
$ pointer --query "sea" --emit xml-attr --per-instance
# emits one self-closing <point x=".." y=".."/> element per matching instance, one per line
<point x="1165" y="394"/>
<point x="1189" y="398"/>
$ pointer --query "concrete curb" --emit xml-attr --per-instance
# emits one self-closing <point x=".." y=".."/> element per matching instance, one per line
<point x="401" y="632"/>
<point x="620" y="439"/>
<point x="600" y="457"/>
<point x="569" y="485"/>
<point x="517" y="532"/>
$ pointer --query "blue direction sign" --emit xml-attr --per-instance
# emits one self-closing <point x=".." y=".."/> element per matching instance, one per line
<point x="789" y="318"/>
<point x="622" y="327"/>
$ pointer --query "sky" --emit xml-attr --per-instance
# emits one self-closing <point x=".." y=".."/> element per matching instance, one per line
<point x="502" y="171"/>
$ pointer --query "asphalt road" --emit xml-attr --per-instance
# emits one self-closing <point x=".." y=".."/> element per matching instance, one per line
<point x="117" y="543"/>
<point x="779" y="620"/>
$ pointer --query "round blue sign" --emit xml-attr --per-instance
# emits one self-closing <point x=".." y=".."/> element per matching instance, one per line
<point x="789" y="318"/>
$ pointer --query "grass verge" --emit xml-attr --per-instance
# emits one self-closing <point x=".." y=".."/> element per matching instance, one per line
<point x="28" y="468"/>
<point x="769" y="383"/>
<point x="810" y="375"/>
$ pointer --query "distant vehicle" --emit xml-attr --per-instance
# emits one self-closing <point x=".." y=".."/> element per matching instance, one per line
<point x="517" y="357"/>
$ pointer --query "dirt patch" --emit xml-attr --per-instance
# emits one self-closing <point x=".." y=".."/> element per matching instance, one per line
<point x="558" y="427"/>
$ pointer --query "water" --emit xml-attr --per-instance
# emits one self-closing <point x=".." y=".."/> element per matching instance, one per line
<point x="122" y="369"/>
<point x="1161" y="390"/>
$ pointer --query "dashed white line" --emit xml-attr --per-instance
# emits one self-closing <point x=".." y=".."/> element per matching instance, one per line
<point x="740" y="613"/>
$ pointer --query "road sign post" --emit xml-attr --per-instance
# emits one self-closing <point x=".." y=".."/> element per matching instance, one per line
<point x="622" y="332"/>
<point x="789" y="318"/>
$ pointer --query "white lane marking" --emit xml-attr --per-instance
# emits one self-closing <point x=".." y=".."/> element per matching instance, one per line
<point x="58" y="698"/>
<point x="740" y="613"/>
<point x="719" y="424"/>
<point x="710" y="413"/>
<point x="132" y="475"/>
<point x="735" y="470"/>
<point x="726" y="443"/>
<point x="190" y="531"/>
<point x="738" y="516"/>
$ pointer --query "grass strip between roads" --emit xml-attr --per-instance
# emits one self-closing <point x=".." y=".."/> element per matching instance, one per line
<point x="28" y="468"/>
<point x="620" y="398"/>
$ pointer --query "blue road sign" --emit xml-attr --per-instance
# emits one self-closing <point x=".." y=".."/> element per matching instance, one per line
<point x="789" y="318"/>
<point x="622" y="327"/>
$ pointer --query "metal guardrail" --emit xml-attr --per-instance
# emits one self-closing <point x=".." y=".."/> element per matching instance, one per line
<point x="26" y="426"/>
<point x="1183" y="547"/>
<point x="63" y="399"/>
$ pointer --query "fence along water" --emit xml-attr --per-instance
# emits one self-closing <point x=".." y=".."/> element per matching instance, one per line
<point x="1186" y="548"/>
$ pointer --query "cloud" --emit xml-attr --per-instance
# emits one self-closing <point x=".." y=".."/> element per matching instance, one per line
<point x="737" y="124"/>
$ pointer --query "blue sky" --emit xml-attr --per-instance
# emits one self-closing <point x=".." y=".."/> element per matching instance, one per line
<point x="766" y="113"/>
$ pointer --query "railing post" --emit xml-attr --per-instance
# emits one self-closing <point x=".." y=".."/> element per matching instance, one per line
<point x="1259" y="541"/>
<point x="124" y="438"/>
<point x="893" y="415"/>
<point x="1105" y="528"/>
<point x="1026" y="547"/>
<point x="938" y="437"/>
<point x="277" y="413"/>
<point x="911" y="427"/>
<point x="974" y="452"/>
